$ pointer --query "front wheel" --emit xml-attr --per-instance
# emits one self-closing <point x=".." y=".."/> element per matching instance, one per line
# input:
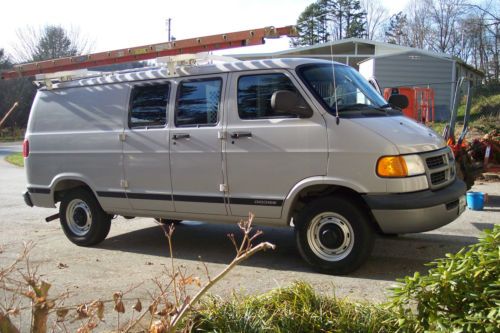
<point x="334" y="235"/>
<point x="82" y="218"/>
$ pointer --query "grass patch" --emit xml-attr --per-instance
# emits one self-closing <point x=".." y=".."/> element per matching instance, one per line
<point x="438" y="126"/>
<point x="486" y="105"/>
<point x="294" y="309"/>
<point x="482" y="106"/>
<point x="16" y="159"/>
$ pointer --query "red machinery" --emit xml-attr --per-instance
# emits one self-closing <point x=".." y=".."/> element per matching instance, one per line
<point x="420" y="102"/>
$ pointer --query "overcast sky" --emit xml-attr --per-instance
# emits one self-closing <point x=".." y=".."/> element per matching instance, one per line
<point x="121" y="24"/>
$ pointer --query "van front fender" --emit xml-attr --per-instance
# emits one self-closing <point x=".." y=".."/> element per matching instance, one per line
<point x="306" y="183"/>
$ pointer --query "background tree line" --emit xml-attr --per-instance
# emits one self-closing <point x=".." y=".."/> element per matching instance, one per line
<point x="33" y="44"/>
<point x="469" y="31"/>
<point x="40" y="44"/>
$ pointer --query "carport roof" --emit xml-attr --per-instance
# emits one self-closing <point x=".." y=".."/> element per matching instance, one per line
<point x="325" y="49"/>
<point x="412" y="51"/>
<point x="443" y="56"/>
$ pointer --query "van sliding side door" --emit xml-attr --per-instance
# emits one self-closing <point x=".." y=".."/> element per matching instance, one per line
<point x="195" y="148"/>
<point x="146" y="148"/>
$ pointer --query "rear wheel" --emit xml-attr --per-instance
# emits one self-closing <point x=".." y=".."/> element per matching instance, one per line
<point x="334" y="235"/>
<point x="82" y="218"/>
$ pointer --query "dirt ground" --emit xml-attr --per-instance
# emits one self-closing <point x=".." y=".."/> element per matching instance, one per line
<point x="136" y="251"/>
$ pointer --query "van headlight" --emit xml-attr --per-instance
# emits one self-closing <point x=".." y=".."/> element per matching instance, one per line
<point x="400" y="166"/>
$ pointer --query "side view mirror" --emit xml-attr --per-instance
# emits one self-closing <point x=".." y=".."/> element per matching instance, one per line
<point x="288" y="102"/>
<point x="399" y="101"/>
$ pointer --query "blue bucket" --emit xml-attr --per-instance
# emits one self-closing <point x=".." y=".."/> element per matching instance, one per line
<point x="475" y="200"/>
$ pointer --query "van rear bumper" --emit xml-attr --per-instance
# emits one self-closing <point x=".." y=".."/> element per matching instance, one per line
<point x="27" y="199"/>
<point x="419" y="211"/>
<point x="39" y="197"/>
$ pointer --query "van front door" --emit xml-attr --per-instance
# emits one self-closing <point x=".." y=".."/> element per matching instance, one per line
<point x="195" y="149"/>
<point x="268" y="153"/>
<point x="145" y="149"/>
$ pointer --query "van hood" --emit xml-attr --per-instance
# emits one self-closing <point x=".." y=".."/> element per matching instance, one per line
<point x="406" y="134"/>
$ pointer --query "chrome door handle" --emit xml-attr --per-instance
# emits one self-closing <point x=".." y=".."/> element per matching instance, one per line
<point x="237" y="135"/>
<point x="180" y="136"/>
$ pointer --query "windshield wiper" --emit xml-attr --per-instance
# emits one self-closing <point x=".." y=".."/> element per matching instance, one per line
<point x="360" y="106"/>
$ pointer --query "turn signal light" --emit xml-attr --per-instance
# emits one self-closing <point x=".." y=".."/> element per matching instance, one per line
<point x="392" y="166"/>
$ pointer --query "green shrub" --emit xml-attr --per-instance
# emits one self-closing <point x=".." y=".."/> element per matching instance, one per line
<point x="489" y="89"/>
<point x="460" y="293"/>
<point x="294" y="309"/>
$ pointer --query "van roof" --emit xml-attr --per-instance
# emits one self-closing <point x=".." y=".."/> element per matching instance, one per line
<point x="155" y="73"/>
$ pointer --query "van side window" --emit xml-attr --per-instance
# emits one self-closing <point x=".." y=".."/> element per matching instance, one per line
<point x="198" y="102"/>
<point x="255" y="92"/>
<point x="148" y="105"/>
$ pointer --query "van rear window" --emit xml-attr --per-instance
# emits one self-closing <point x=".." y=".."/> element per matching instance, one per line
<point x="198" y="102"/>
<point x="148" y="105"/>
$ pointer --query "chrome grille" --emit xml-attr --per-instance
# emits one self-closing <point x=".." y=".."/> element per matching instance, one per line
<point x="438" y="177"/>
<point x="435" y="161"/>
<point x="440" y="167"/>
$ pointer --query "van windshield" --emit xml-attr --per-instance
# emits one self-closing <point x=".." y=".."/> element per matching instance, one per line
<point x="342" y="87"/>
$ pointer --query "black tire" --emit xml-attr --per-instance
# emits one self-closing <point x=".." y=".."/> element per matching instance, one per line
<point x="168" y="221"/>
<point x="334" y="235"/>
<point x="82" y="218"/>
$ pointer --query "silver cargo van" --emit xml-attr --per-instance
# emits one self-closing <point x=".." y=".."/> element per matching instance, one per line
<point x="299" y="142"/>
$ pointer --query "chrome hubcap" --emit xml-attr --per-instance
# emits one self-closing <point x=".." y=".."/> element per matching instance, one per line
<point x="330" y="236"/>
<point x="79" y="217"/>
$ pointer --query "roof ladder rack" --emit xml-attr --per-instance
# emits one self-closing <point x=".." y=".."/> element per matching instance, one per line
<point x="183" y="60"/>
<point x="186" y="46"/>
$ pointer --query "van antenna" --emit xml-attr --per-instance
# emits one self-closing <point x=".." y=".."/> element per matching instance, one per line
<point x="337" y="118"/>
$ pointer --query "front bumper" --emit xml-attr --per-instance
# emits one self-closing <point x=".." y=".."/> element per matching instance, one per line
<point x="417" y="212"/>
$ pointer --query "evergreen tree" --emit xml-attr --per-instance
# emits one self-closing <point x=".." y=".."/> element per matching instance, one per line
<point x="396" y="31"/>
<point x="347" y="18"/>
<point x="325" y="20"/>
<point x="312" y="26"/>
<point x="4" y="60"/>
<point x="54" y="43"/>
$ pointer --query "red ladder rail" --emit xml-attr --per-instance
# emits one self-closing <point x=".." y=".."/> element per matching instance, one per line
<point x="192" y="45"/>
